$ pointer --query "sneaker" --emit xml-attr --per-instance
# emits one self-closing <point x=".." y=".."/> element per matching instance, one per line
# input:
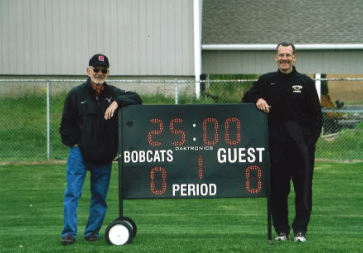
<point x="299" y="237"/>
<point x="68" y="240"/>
<point x="92" y="238"/>
<point x="282" y="237"/>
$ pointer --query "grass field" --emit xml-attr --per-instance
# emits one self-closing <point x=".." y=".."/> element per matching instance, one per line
<point x="31" y="216"/>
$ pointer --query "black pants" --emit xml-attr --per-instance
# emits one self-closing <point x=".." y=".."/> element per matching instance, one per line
<point x="291" y="161"/>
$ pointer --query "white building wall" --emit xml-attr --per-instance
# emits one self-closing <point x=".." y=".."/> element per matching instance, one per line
<point x="57" y="37"/>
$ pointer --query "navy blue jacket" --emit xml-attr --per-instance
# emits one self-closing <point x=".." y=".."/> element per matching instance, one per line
<point x="83" y="121"/>
<point x="295" y="111"/>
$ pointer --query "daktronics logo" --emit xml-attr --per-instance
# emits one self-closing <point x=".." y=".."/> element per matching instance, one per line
<point x="193" y="148"/>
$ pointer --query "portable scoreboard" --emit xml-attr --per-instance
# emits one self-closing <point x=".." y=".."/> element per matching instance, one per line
<point x="194" y="151"/>
<point x="190" y="151"/>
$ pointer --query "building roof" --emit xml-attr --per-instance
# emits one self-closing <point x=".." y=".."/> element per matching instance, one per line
<point x="273" y="21"/>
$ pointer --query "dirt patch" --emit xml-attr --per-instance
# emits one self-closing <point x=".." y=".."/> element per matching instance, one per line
<point x="346" y="91"/>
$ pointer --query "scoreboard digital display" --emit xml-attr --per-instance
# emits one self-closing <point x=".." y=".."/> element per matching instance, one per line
<point x="193" y="151"/>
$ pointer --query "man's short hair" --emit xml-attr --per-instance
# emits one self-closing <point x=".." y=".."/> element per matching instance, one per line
<point x="286" y="44"/>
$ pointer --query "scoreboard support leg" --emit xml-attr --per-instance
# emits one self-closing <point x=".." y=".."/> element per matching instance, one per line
<point x="120" y="193"/>
<point x="269" y="223"/>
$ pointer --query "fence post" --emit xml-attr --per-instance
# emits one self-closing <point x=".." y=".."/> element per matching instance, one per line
<point x="48" y="121"/>
<point x="176" y="93"/>
<point x="318" y="84"/>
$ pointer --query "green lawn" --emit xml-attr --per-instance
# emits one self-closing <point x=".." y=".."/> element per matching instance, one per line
<point x="31" y="216"/>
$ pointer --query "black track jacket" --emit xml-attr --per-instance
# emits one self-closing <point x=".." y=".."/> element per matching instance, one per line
<point x="83" y="121"/>
<point x="295" y="111"/>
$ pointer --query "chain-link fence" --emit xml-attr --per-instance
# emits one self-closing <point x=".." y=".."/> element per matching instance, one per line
<point x="30" y="112"/>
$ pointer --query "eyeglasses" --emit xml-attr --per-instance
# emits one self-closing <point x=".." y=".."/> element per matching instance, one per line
<point x="96" y="70"/>
<point x="288" y="56"/>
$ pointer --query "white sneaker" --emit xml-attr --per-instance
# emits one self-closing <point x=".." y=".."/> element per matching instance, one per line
<point x="282" y="237"/>
<point x="299" y="237"/>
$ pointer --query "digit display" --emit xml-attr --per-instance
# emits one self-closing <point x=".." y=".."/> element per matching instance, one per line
<point x="193" y="151"/>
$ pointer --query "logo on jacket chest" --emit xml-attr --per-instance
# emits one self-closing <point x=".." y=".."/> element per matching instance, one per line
<point x="297" y="88"/>
<point x="109" y="100"/>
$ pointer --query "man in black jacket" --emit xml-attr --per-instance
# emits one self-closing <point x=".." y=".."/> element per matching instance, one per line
<point x="89" y="128"/>
<point x="294" y="123"/>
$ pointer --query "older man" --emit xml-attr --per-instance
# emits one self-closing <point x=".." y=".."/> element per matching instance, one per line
<point x="294" y="123"/>
<point x="89" y="128"/>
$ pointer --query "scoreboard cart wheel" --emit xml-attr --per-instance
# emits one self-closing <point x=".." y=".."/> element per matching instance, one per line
<point x="118" y="233"/>
<point x="132" y="224"/>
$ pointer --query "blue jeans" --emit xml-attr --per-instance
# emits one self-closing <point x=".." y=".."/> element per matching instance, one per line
<point x="100" y="181"/>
